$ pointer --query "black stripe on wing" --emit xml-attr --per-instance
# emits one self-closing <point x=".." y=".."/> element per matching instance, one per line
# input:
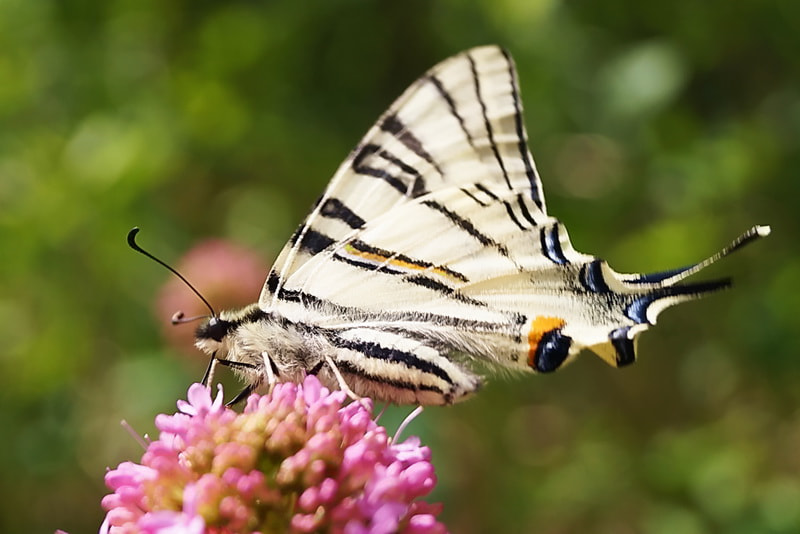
<point x="351" y="368"/>
<point x="489" y="131"/>
<point x="473" y="197"/>
<point x="392" y="355"/>
<point x="524" y="210"/>
<point x="444" y="289"/>
<point x="551" y="244"/>
<point x="420" y="280"/>
<point x="452" y="106"/>
<point x="354" y="314"/>
<point x="513" y="217"/>
<point x="533" y="179"/>
<point x="393" y="125"/>
<point x="468" y="227"/>
<point x="517" y="211"/>
<point x="591" y="277"/>
<point x="417" y="279"/>
<point x="333" y="208"/>
<point x="486" y="191"/>
<point x="310" y="240"/>
<point x="397" y="258"/>
<point x="360" y="165"/>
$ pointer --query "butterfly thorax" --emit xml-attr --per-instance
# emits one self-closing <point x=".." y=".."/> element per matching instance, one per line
<point x="258" y="339"/>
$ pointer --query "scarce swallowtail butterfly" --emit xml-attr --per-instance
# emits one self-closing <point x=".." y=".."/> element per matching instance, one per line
<point x="431" y="249"/>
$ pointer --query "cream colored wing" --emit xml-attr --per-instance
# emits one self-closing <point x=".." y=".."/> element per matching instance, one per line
<point x="459" y="124"/>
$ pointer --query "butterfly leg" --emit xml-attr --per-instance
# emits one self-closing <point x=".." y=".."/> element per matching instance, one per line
<point x="208" y="376"/>
<point x="271" y="370"/>
<point x="243" y="394"/>
<point x="410" y="417"/>
<point x="343" y="385"/>
<point x="237" y="365"/>
<point x="248" y="389"/>
<point x="381" y="412"/>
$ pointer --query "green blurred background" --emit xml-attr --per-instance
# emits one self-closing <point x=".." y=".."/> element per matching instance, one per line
<point x="661" y="130"/>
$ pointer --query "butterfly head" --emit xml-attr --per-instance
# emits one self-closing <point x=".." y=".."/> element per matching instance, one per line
<point x="256" y="344"/>
<point x="214" y="330"/>
<point x="213" y="337"/>
<point x="218" y="334"/>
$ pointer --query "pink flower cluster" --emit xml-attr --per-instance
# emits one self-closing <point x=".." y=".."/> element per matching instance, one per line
<point x="296" y="460"/>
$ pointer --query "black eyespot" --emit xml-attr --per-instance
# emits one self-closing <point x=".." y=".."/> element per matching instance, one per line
<point x="552" y="350"/>
<point x="215" y="329"/>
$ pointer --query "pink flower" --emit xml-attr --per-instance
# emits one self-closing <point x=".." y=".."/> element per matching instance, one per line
<point x="296" y="460"/>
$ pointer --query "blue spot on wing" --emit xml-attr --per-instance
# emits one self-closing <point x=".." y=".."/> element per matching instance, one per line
<point x="551" y="245"/>
<point x="591" y="277"/>
<point x="637" y="310"/>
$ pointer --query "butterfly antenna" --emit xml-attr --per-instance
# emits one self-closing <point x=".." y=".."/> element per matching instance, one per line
<point x="178" y="318"/>
<point x="135" y="246"/>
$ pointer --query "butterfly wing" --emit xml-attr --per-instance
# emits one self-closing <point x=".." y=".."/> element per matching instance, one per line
<point x="459" y="124"/>
<point x="432" y="243"/>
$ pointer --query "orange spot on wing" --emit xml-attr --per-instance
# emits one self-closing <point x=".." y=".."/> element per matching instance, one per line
<point x="539" y="327"/>
<point x="379" y="258"/>
<point x="367" y="255"/>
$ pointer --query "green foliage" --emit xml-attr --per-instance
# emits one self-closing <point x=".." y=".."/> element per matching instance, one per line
<point x="661" y="130"/>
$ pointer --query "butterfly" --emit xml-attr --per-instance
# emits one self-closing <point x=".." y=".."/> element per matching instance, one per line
<point x="431" y="251"/>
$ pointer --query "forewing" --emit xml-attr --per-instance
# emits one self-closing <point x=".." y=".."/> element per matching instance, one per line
<point x="459" y="124"/>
